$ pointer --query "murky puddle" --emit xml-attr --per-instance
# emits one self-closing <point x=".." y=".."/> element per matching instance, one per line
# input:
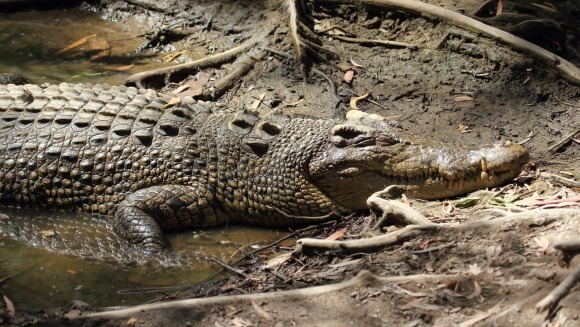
<point x="48" y="258"/>
<point x="73" y="46"/>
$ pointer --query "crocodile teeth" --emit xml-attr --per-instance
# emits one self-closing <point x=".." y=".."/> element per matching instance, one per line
<point x="450" y="184"/>
<point x="483" y="165"/>
<point x="461" y="184"/>
<point x="484" y="176"/>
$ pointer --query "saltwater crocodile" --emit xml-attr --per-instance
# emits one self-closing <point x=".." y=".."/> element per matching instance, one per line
<point x="125" y="152"/>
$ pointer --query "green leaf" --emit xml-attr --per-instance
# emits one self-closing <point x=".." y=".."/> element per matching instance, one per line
<point x="467" y="202"/>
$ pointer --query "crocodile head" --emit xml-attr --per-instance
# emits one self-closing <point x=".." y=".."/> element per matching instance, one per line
<point x="365" y="155"/>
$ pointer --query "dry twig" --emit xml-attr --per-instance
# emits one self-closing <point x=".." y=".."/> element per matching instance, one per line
<point x="216" y="59"/>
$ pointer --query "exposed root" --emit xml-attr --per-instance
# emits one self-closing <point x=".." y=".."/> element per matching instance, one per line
<point x="394" y="44"/>
<point x="225" y="83"/>
<point x="214" y="60"/>
<point x="393" y="210"/>
<point x="293" y="24"/>
<point x="315" y="70"/>
<point x="364" y="278"/>
<point x="557" y="294"/>
<point x="528" y="218"/>
<point x="570" y="71"/>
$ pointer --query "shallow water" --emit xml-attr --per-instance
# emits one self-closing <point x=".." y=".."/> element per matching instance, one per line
<point x="48" y="259"/>
<point x="33" y="43"/>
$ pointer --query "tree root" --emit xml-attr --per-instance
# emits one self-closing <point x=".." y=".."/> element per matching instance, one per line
<point x="390" y="209"/>
<point x="228" y="55"/>
<point x="569" y="248"/>
<point x="225" y="83"/>
<point x="557" y="294"/>
<point x="363" y="278"/>
<point x="569" y="70"/>
<point x="528" y="218"/>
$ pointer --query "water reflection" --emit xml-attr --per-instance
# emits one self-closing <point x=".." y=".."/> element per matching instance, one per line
<point x="48" y="259"/>
<point x="71" y="45"/>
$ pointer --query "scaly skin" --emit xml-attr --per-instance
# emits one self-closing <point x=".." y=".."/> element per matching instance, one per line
<point x="120" y="151"/>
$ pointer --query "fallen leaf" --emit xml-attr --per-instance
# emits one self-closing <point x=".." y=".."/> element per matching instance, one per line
<point x="123" y="68"/>
<point x="474" y="269"/>
<point x="467" y="202"/>
<point x="240" y="322"/>
<point x="462" y="128"/>
<point x="493" y="252"/>
<point x="10" y="310"/>
<point x="348" y="76"/>
<point x="172" y="102"/>
<point x="71" y="272"/>
<point x="132" y="321"/>
<point x="258" y="101"/>
<point x="181" y="89"/>
<point x="295" y="103"/>
<point x="196" y="85"/>
<point x="354" y="100"/>
<point x="173" y="56"/>
<point x="546" y="6"/>
<point x="462" y="98"/>
<point x="76" y="43"/>
<point x="354" y="63"/>
<point x="338" y="234"/>
<point x="276" y="261"/>
<point x="261" y="312"/>
<point x="47" y="233"/>
<point x="542" y="242"/>
<point x="499" y="8"/>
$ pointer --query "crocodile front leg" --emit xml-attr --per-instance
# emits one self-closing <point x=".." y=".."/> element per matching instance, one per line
<point x="142" y="216"/>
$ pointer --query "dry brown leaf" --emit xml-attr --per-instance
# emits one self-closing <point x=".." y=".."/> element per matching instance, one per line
<point x="276" y="261"/>
<point x="261" y="312"/>
<point x="354" y="63"/>
<point x="240" y="322"/>
<point x="99" y="44"/>
<point x="295" y="103"/>
<point x="47" y="233"/>
<point x="173" y="56"/>
<point x="77" y="43"/>
<point x="354" y="100"/>
<point x="10" y="310"/>
<point x="132" y="321"/>
<point x="499" y="8"/>
<point x="412" y="304"/>
<point x="123" y="68"/>
<point x="348" y="76"/>
<point x="338" y="234"/>
<point x="546" y="6"/>
<point x="180" y="89"/>
<point x="462" y="98"/>
<point x="462" y="128"/>
<point x="258" y="101"/>
<point x="196" y="85"/>
<point x="172" y="102"/>
<point x="542" y="242"/>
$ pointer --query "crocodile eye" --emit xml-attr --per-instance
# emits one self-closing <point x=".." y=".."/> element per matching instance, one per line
<point x="352" y="135"/>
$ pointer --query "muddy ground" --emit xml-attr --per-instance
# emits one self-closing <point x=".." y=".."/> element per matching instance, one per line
<point x="451" y="85"/>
